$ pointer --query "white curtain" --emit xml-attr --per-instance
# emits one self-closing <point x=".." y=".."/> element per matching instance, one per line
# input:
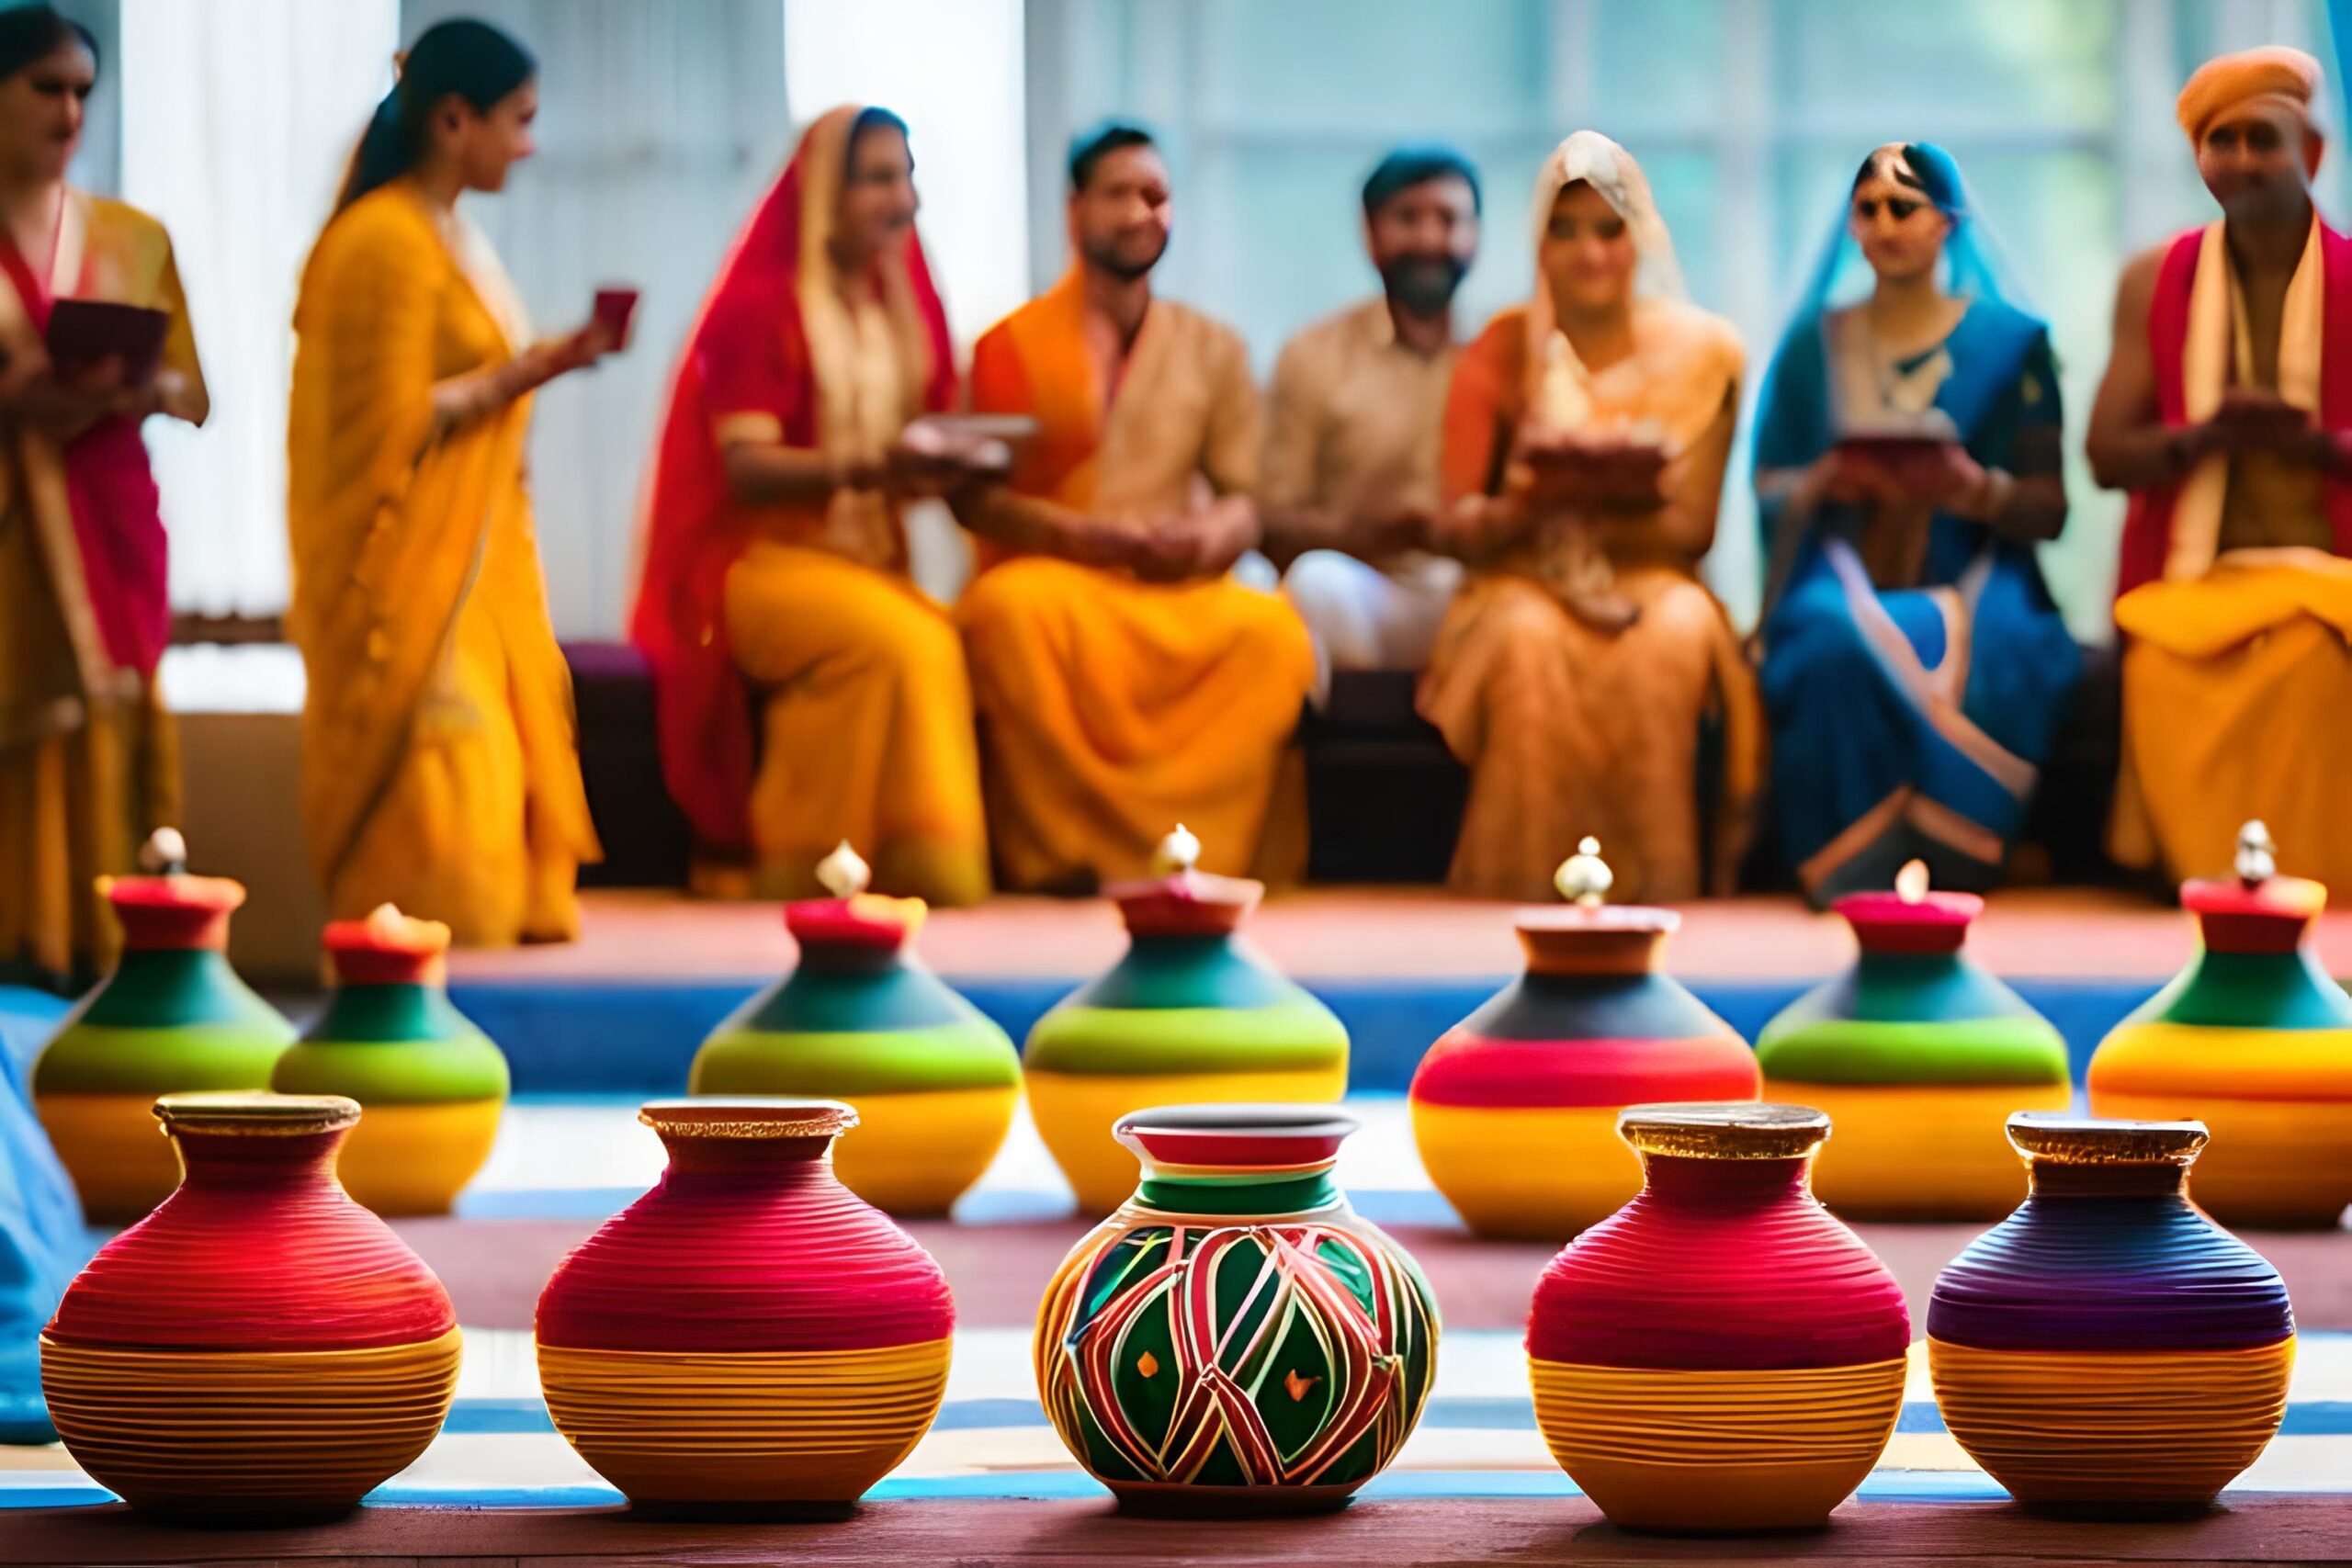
<point x="237" y="117"/>
<point x="660" y="124"/>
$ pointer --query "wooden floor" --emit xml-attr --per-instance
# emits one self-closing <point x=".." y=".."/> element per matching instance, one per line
<point x="1501" y="1531"/>
<point x="2047" y="932"/>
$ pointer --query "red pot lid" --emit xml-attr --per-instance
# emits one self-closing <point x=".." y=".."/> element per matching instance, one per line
<point x="1236" y="1137"/>
<point x="1183" y="901"/>
<point x="1589" y="937"/>
<point x="177" y="911"/>
<point x="851" y="920"/>
<point x="864" y="923"/>
<point x="2257" y="910"/>
<point x="1910" y="919"/>
<point x="388" y="948"/>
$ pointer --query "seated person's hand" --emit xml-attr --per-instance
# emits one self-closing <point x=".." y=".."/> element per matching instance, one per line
<point x="1100" y="541"/>
<point x="1192" y="545"/>
<point x="931" y="459"/>
<point x="1858" y="476"/>
<point x="1378" y="535"/>
<point x="1942" y="476"/>
<point x="2254" y="418"/>
<point x="1591" y="470"/>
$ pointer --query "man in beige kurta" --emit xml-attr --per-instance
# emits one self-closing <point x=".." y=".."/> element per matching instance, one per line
<point x="1351" y="472"/>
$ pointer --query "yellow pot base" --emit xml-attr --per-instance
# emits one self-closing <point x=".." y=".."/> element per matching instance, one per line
<point x="111" y="1144"/>
<point x="1527" y="1173"/>
<point x="415" y="1160"/>
<point x="1716" y="1452"/>
<point x="914" y="1154"/>
<point x="2113" y="1429"/>
<point x="770" y="1433"/>
<point x="1920" y="1151"/>
<point x="1074" y="1113"/>
<point x="2273" y="1164"/>
<point x="274" y="1435"/>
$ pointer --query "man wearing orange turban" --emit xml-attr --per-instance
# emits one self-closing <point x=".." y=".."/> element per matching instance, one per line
<point x="2227" y="413"/>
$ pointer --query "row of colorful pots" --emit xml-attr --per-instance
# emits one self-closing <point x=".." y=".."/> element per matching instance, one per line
<point x="174" y="1016"/>
<point x="1720" y="1354"/>
<point x="1918" y="1053"/>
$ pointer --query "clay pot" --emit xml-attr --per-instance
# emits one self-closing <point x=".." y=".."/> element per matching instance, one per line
<point x="1235" y="1340"/>
<point x="432" y="1084"/>
<point x="1190" y="1015"/>
<point x="2107" y="1347"/>
<point x="260" y="1348"/>
<point x="932" y="1080"/>
<point x="748" y="1337"/>
<point x="1515" y="1108"/>
<point x="173" y="1017"/>
<point x="1918" y="1056"/>
<point x="1721" y="1354"/>
<point x="2254" y="1040"/>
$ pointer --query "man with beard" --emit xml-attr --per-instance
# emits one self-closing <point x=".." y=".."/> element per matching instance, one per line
<point x="1350" y="476"/>
<point x="1124" y="682"/>
<point x="2227" y="413"/>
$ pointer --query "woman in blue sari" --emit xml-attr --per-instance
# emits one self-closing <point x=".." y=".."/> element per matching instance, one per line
<point x="1907" y="452"/>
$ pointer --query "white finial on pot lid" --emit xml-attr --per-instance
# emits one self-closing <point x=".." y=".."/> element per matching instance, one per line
<point x="164" y="853"/>
<point x="1584" y="878"/>
<point x="844" y="872"/>
<point x="1179" y="851"/>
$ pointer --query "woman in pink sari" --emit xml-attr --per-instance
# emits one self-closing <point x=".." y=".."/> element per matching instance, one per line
<point x="775" y="561"/>
<point x="87" y="766"/>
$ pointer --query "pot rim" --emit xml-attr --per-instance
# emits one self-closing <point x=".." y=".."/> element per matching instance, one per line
<point x="254" y="1112"/>
<point x="2061" y="1137"/>
<point x="747" y="1116"/>
<point x="1724" y="1129"/>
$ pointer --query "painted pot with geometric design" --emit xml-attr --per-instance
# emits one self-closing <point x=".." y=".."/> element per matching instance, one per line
<point x="1189" y="1015"/>
<point x="173" y="1017"/>
<point x="1235" y="1340"/>
<point x="1721" y="1354"/>
<point x="260" y="1348"/>
<point x="2108" y="1346"/>
<point x="1918" y="1056"/>
<point x="2253" y="1039"/>
<point x="1515" y="1108"/>
<point x="750" y="1338"/>
<point x="933" y="1080"/>
<point x="432" y="1083"/>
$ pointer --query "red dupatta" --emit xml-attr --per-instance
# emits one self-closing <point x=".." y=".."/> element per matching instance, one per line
<point x="118" y="511"/>
<point x="691" y="532"/>
<point x="2148" y="520"/>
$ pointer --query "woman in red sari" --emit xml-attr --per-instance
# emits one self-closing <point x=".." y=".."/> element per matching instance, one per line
<point x="87" y="766"/>
<point x="774" y="558"/>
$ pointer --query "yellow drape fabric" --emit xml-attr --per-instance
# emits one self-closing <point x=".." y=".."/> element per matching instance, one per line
<point x="439" y="765"/>
<point x="2235" y="685"/>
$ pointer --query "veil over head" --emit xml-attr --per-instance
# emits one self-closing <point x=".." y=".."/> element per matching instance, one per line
<point x="1974" y="264"/>
<point x="1555" y="375"/>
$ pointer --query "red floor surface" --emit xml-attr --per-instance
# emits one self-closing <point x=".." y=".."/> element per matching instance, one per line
<point x="2041" y="934"/>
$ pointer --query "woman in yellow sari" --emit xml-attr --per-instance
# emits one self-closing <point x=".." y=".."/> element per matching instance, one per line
<point x="439" y="766"/>
<point x="774" y="559"/>
<point x="1586" y="435"/>
<point x="87" y="766"/>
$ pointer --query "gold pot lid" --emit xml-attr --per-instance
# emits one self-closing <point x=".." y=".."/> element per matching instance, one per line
<point x="2062" y="1138"/>
<point x="747" y="1116"/>
<point x="1724" y="1129"/>
<point x="255" y="1113"/>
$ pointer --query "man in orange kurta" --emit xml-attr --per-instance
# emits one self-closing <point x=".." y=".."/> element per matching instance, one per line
<point x="1123" y="681"/>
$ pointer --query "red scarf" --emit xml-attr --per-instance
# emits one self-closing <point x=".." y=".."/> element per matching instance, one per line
<point x="118" y="514"/>
<point x="687" y="541"/>
<point x="2148" y="524"/>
